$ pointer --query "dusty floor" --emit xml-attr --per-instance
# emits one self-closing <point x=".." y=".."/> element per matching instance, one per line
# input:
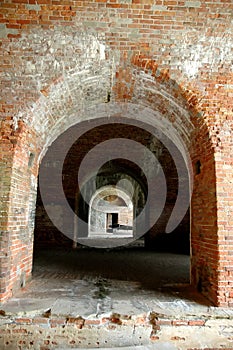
<point x="95" y="283"/>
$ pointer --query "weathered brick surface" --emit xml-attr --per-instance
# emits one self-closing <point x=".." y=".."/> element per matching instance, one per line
<point x="17" y="226"/>
<point x="59" y="59"/>
<point x="68" y="333"/>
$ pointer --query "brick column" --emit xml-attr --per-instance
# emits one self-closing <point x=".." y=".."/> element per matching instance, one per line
<point x="18" y="196"/>
<point x="212" y="213"/>
<point x="6" y="159"/>
<point x="204" y="231"/>
<point x="224" y="173"/>
<point x="204" y="260"/>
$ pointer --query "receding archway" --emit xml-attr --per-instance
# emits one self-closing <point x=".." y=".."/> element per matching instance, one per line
<point x="111" y="211"/>
<point x="176" y="138"/>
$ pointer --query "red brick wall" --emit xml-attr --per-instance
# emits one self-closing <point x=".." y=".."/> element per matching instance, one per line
<point x="204" y="216"/>
<point x="19" y="168"/>
<point x="60" y="58"/>
<point x="7" y="148"/>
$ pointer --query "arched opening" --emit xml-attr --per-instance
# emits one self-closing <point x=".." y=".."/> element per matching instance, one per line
<point x="111" y="213"/>
<point x="117" y="181"/>
<point x="113" y="175"/>
<point x="156" y="129"/>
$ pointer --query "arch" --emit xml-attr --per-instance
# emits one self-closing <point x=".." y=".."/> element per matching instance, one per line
<point x="116" y="176"/>
<point x="161" y="108"/>
<point x="101" y="207"/>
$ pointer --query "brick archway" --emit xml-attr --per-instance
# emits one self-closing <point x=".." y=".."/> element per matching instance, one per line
<point x="98" y="86"/>
<point x="117" y="209"/>
<point x="126" y="111"/>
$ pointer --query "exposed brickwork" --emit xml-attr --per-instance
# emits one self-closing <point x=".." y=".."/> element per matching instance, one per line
<point x="17" y="226"/>
<point x="61" y="60"/>
<point x="39" y="333"/>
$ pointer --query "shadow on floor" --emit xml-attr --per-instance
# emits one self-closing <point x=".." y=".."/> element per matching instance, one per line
<point x="165" y="273"/>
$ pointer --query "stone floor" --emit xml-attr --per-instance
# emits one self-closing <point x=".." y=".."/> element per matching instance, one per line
<point x="133" y="283"/>
<point x="90" y="282"/>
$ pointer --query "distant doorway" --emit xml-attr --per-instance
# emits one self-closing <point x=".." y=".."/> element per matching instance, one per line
<point x="112" y="220"/>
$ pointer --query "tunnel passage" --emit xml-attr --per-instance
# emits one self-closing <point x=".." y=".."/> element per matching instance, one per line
<point x="111" y="174"/>
<point x="126" y="197"/>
